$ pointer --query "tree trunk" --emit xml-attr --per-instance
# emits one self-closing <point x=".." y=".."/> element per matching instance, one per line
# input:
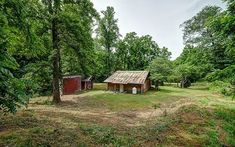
<point x="56" y="63"/>
<point x="56" y="53"/>
<point x="157" y="85"/>
<point x="109" y="59"/>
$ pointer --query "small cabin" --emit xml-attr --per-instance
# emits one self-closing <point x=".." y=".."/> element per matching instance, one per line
<point x="125" y="81"/>
<point x="74" y="84"/>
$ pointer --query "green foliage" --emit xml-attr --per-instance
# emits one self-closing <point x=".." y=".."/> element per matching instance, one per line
<point x="13" y="91"/>
<point x="223" y="88"/>
<point x="226" y="75"/>
<point x="136" y="53"/>
<point x="209" y="39"/>
<point x="108" y="36"/>
<point x="195" y="29"/>
<point x="203" y="45"/>
<point x="186" y="74"/>
<point x="27" y="32"/>
<point x="77" y="55"/>
<point x="197" y="57"/>
<point x="160" y="69"/>
<point x="223" y="81"/>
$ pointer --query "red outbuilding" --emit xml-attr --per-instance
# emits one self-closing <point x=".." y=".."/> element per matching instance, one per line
<point x="74" y="84"/>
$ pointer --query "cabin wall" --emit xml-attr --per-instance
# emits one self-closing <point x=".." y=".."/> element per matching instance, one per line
<point x="147" y="85"/>
<point x="127" y="87"/>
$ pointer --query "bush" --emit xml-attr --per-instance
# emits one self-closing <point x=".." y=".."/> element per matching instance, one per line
<point x="227" y="75"/>
<point x="223" y="88"/>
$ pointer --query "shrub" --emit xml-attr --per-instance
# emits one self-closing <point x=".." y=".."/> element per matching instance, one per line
<point x="222" y="87"/>
<point x="227" y="75"/>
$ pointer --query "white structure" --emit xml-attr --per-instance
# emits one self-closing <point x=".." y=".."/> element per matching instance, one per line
<point x="134" y="90"/>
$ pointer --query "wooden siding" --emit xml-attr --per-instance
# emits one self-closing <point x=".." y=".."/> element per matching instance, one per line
<point x="129" y="80"/>
<point x="141" y="88"/>
<point x="71" y="84"/>
<point x="147" y="85"/>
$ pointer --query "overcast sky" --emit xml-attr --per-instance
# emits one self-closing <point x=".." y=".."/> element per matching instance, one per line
<point x="158" y="18"/>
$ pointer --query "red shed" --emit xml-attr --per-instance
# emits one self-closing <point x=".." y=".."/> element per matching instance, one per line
<point x="72" y="84"/>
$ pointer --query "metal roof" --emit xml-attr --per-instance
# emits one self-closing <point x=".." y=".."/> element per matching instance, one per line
<point x="72" y="76"/>
<point x="128" y="77"/>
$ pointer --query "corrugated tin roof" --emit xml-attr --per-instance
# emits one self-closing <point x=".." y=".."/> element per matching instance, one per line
<point x="128" y="77"/>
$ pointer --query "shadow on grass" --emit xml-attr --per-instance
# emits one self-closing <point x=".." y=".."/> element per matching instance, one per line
<point x="199" y="88"/>
<point x="164" y="89"/>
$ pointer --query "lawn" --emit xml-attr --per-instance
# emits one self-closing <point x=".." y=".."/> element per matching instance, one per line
<point x="169" y="117"/>
<point x="166" y="96"/>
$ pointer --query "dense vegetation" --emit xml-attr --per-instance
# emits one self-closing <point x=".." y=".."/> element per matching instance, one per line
<point x="43" y="40"/>
<point x="210" y="46"/>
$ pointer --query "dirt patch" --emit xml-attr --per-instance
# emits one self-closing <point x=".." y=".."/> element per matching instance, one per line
<point x="164" y="109"/>
<point x="82" y="108"/>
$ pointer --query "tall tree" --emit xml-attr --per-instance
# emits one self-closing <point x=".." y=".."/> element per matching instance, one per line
<point x="39" y="30"/>
<point x="137" y="52"/>
<point x="54" y="9"/>
<point x="13" y="90"/>
<point x="160" y="69"/>
<point x="78" y="47"/>
<point x="223" y="26"/>
<point x="108" y="33"/>
<point x="199" y="34"/>
<point x="74" y="35"/>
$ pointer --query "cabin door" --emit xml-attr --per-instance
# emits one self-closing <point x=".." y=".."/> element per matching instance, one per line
<point x="121" y="88"/>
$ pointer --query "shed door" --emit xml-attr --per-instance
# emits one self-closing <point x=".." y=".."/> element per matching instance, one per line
<point x="121" y="88"/>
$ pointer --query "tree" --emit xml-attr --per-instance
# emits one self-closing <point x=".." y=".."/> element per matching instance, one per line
<point x="223" y="27"/>
<point x="38" y="31"/>
<point x="61" y="28"/>
<point x="108" y="34"/>
<point x="199" y="34"/>
<point x="160" y="69"/>
<point x="198" y="57"/>
<point x="136" y="53"/>
<point x="12" y="90"/>
<point x="77" y="45"/>
<point x="164" y="53"/>
<point x="195" y="30"/>
<point x="185" y="73"/>
<point x="54" y="8"/>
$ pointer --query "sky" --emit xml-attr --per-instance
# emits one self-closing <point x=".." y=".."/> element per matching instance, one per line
<point x="159" y="18"/>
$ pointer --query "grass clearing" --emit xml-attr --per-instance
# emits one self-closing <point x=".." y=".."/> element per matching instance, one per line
<point x="167" y="95"/>
<point x="170" y="117"/>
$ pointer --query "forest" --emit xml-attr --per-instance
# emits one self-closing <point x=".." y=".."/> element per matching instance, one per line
<point x="43" y="40"/>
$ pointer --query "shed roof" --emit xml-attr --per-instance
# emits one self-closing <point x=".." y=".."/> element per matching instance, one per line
<point x="71" y="76"/>
<point x="128" y="77"/>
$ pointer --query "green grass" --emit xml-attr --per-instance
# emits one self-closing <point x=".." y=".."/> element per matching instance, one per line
<point x="121" y="102"/>
<point x="101" y="118"/>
